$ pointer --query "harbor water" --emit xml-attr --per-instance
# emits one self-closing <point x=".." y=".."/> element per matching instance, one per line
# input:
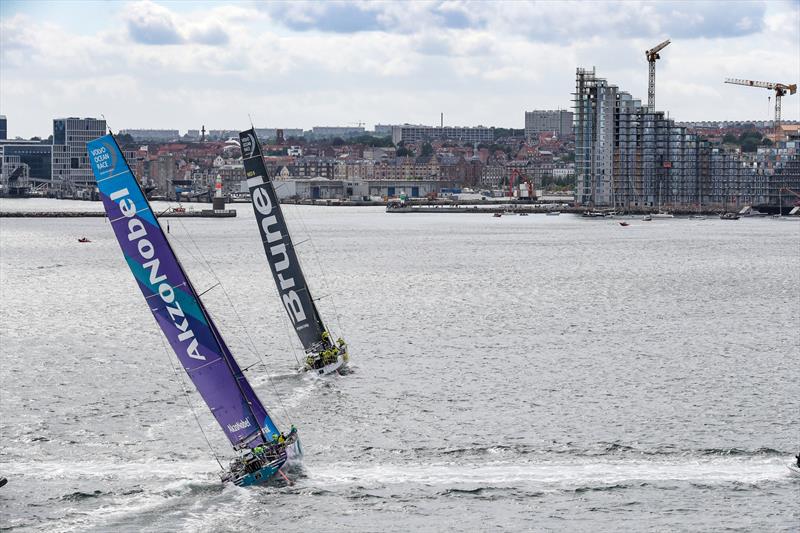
<point x="516" y="373"/>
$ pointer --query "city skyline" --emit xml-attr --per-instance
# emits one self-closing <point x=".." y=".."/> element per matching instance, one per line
<point x="180" y="65"/>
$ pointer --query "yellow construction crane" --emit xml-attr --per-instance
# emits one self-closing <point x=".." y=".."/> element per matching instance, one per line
<point x="652" y="55"/>
<point x="781" y="89"/>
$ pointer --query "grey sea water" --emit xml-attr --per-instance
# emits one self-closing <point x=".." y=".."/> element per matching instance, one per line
<point x="516" y="373"/>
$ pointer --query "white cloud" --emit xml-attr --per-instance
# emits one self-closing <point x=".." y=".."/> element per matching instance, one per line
<point x="486" y="63"/>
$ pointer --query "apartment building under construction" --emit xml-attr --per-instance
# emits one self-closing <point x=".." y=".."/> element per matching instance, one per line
<point x="628" y="155"/>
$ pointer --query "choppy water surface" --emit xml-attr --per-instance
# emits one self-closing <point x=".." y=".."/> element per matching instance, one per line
<point x="520" y="373"/>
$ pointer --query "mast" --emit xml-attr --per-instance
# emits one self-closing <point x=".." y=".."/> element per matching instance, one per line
<point x="173" y="300"/>
<point x="278" y="247"/>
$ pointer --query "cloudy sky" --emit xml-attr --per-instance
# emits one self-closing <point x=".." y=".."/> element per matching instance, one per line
<point x="180" y="65"/>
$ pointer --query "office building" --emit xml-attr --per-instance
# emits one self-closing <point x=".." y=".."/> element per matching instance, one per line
<point x="419" y="133"/>
<point x="71" y="169"/>
<point x="3" y="128"/>
<point x="559" y="122"/>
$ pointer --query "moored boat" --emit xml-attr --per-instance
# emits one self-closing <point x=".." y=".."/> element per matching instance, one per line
<point x="729" y="216"/>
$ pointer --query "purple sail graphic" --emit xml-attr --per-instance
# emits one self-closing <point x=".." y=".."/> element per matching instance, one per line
<point x="178" y="310"/>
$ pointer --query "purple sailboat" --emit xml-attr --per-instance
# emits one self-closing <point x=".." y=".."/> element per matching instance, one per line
<point x="261" y="447"/>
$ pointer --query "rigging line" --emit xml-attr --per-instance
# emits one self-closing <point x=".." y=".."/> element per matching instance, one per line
<point x="322" y="270"/>
<point x="209" y="272"/>
<point x="241" y="322"/>
<point x="189" y="403"/>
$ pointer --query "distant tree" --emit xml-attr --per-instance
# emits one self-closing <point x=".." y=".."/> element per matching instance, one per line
<point x="369" y="140"/>
<point x="570" y="157"/>
<point x="766" y="142"/>
<point x="338" y="141"/>
<point x="37" y="139"/>
<point x="427" y="149"/>
<point x="404" y="152"/>
<point x="729" y="138"/>
<point x="125" y="138"/>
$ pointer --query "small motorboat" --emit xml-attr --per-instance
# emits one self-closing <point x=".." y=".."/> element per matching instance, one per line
<point x="729" y="216"/>
<point x="647" y="218"/>
<point x="624" y="224"/>
<point x="553" y="213"/>
<point x="523" y="214"/>
<point x="84" y="239"/>
<point x="497" y="215"/>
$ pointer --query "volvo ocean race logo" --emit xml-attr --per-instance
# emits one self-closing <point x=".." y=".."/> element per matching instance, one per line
<point x="105" y="158"/>
<point x="240" y="425"/>
<point x="248" y="145"/>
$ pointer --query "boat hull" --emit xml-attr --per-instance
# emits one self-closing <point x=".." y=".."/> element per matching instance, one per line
<point x="794" y="469"/>
<point x="336" y="366"/>
<point x="262" y="475"/>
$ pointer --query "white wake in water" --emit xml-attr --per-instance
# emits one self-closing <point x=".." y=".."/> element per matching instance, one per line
<point x="551" y="473"/>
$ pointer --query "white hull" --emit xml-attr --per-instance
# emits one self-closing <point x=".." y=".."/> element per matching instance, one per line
<point x="337" y="365"/>
<point x="794" y="469"/>
<point x="663" y="215"/>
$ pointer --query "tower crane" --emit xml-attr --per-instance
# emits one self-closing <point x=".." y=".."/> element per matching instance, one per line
<point x="652" y="55"/>
<point x="781" y="89"/>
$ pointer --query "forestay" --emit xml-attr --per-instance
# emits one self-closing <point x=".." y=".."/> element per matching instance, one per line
<point x="283" y="263"/>
<point x="174" y="301"/>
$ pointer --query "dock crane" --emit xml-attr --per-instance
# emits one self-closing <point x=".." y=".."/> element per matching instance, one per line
<point x="781" y="89"/>
<point x="652" y="55"/>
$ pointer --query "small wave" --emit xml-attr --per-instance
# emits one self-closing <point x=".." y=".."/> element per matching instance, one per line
<point x="78" y="496"/>
<point x="767" y="452"/>
<point x="602" y="488"/>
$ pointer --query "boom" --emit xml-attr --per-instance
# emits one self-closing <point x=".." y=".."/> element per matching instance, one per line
<point x="781" y="89"/>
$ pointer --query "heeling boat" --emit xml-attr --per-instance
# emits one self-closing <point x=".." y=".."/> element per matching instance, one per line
<point x="323" y="355"/>
<point x="261" y="448"/>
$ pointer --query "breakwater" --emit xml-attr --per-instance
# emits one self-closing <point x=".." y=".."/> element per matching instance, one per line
<point x="205" y="213"/>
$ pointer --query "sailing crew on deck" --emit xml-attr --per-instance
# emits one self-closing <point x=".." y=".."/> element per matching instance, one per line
<point x="796" y="457"/>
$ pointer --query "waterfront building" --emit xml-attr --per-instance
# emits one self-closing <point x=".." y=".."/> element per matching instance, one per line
<point x="71" y="169"/>
<point x="595" y="102"/>
<point x="3" y="128"/>
<point x="628" y="155"/>
<point x="37" y="160"/>
<point x="538" y="121"/>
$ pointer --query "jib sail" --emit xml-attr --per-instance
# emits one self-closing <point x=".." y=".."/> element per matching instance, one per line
<point x="283" y="263"/>
<point x="174" y="301"/>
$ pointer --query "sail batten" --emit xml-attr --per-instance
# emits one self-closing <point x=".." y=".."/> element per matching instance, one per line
<point x="172" y="299"/>
<point x="278" y="246"/>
